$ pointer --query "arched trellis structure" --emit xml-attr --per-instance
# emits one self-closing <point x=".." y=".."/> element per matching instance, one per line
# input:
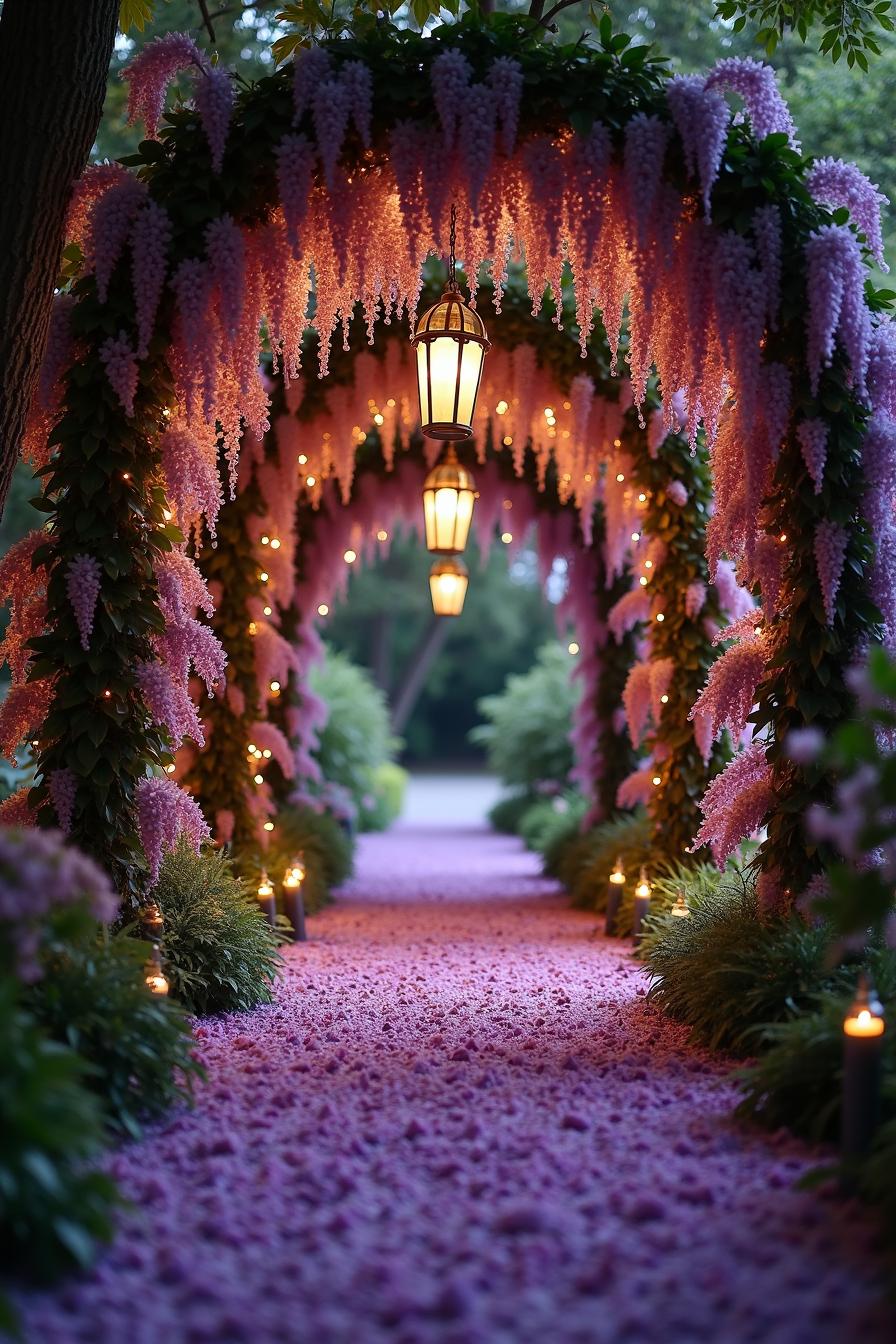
<point x="541" y="412"/>
<point x="743" y="291"/>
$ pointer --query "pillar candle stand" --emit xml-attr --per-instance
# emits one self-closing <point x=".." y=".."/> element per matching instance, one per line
<point x="863" y="1044"/>
<point x="267" y="900"/>
<point x="642" y="906"/>
<point x="294" y="909"/>
<point x="614" y="897"/>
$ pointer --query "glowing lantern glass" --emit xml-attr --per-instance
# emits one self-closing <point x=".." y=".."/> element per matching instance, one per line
<point x="448" y="586"/>
<point x="448" y="495"/>
<point x="451" y="342"/>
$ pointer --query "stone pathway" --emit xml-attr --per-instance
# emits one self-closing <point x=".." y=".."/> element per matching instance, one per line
<point x="461" y="1123"/>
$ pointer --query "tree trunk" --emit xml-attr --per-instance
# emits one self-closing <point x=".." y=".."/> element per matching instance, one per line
<point x="421" y="661"/>
<point x="54" y="62"/>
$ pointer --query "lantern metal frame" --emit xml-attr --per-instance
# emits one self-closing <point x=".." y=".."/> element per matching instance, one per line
<point x="448" y="474"/>
<point x="454" y="319"/>
<point x="442" y="569"/>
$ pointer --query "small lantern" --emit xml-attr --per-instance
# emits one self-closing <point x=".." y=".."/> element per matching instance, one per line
<point x="267" y="899"/>
<point x="154" y="976"/>
<point x="448" y="495"/>
<point x="680" y="909"/>
<point x="642" y="907"/>
<point x="864" y="1028"/>
<point x="614" y="898"/>
<point x="448" y="581"/>
<point x="293" y="899"/>
<point x="451" y="341"/>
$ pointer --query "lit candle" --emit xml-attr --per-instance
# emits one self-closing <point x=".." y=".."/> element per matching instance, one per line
<point x="267" y="899"/>
<point x="863" y="1041"/>
<point x="293" y="900"/>
<point x="154" y="977"/>
<point x="642" y="905"/>
<point x="680" y="908"/>
<point x="614" y="896"/>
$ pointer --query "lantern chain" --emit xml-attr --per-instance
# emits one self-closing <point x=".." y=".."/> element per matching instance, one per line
<point x="452" y="245"/>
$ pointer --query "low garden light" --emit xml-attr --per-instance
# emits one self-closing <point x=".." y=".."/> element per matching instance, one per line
<point x="863" y="1041"/>
<point x="451" y="341"/>
<point x="614" y="896"/>
<point x="680" y="909"/>
<point x="293" y="900"/>
<point x="642" y="907"/>
<point x="154" y="977"/>
<point x="448" y="581"/>
<point x="267" y="899"/>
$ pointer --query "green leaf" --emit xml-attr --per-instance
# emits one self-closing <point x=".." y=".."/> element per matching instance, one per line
<point x="134" y="14"/>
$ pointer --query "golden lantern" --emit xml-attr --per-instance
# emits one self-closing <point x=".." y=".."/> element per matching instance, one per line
<point x="153" y="975"/>
<point x="451" y="341"/>
<point x="448" y="495"/>
<point x="448" y="581"/>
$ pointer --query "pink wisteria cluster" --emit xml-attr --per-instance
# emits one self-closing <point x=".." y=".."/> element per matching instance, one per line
<point x="727" y="700"/>
<point x="186" y="645"/>
<point x="24" y="585"/>
<point x="736" y="803"/>
<point x="39" y="872"/>
<point x="164" y="813"/>
<point x="700" y="317"/>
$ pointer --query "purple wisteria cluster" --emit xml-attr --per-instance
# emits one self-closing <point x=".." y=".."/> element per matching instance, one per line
<point x="164" y="813"/>
<point x="38" y="872"/>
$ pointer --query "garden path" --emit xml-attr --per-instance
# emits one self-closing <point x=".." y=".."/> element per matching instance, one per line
<point x="462" y="1123"/>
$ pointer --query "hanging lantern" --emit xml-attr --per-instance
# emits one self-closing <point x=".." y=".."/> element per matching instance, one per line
<point x="451" y="341"/>
<point x="448" y="495"/>
<point x="448" y="581"/>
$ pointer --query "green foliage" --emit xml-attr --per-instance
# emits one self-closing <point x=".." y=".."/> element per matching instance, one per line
<point x="324" y="847"/>
<point x="135" y="14"/>
<point x="92" y="998"/>
<point x="527" y="736"/>
<point x="388" y="789"/>
<point x="681" y="529"/>
<point x="550" y="818"/>
<point x="585" y="867"/>
<point x="54" y="1207"/>
<point x="696" y="883"/>
<point x="357" y="736"/>
<point x="850" y="27"/>
<point x="859" y="753"/>
<point x="728" y="974"/>
<point x="506" y="814"/>
<point x="797" y="1079"/>
<point x="219" y="952"/>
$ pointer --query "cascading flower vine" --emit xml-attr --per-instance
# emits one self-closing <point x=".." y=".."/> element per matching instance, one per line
<point x="82" y="584"/>
<point x="164" y="813"/>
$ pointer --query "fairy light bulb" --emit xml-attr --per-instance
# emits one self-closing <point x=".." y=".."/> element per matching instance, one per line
<point x="350" y="556"/>
<point x="264" y="576"/>
<point x="573" y="647"/>
<point x="323" y="609"/>
<point x="620" y="476"/>
<point x="656" y="781"/>
<point x="268" y="826"/>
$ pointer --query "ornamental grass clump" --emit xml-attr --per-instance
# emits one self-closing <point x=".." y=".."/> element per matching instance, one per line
<point x="218" y="952"/>
<point x="552" y="818"/>
<point x="728" y="974"/>
<point x="316" y="839"/>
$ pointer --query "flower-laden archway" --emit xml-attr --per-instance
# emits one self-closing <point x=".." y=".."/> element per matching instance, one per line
<point x="741" y="288"/>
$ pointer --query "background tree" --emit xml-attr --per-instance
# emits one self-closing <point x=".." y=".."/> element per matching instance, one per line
<point x="54" y="60"/>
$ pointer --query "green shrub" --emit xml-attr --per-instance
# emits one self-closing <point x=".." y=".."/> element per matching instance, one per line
<point x="325" y="848"/>
<point x="587" y="872"/>
<point x="92" y="997"/>
<point x="797" y="1079"/>
<point x="387" y="790"/>
<point x="696" y="884"/>
<point x="527" y="734"/>
<point x="549" y="817"/>
<point x="357" y="737"/>
<point x="729" y="975"/>
<point x="219" y="953"/>
<point x="506" y="814"/>
<point x="53" y="1206"/>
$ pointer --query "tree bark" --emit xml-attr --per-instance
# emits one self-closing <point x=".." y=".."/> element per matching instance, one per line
<point x="54" y="62"/>
<point x="421" y="661"/>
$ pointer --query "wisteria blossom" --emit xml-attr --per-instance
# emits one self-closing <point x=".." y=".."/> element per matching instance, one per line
<point x="813" y="439"/>
<point x="165" y="812"/>
<point x="120" y="363"/>
<point x="836" y="291"/>
<point x="836" y="183"/>
<point x="831" y="540"/>
<point x="756" y="84"/>
<point x="63" y="788"/>
<point x="82" y="585"/>
<point x="38" y="872"/>
<point x="728" y="698"/>
<point x="152" y="70"/>
<point x="701" y="117"/>
<point x="736" y="803"/>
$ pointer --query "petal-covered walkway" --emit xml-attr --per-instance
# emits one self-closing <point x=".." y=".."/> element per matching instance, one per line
<point x="462" y="1123"/>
